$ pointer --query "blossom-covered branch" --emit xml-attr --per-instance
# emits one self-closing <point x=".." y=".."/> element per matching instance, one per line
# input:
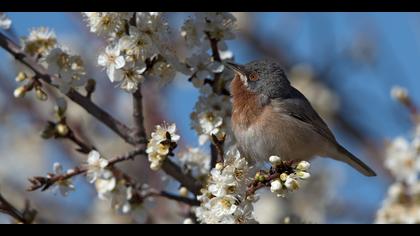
<point x="51" y="179"/>
<point x="79" y="99"/>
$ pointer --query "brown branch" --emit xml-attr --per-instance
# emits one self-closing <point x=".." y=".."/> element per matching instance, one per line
<point x="85" y="102"/>
<point x="139" y="132"/>
<point x="186" y="180"/>
<point x="261" y="184"/>
<point x="217" y="152"/>
<point x="46" y="182"/>
<point x="185" y="200"/>
<point x="26" y="216"/>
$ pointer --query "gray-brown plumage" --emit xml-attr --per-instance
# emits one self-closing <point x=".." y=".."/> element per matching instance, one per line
<point x="271" y="117"/>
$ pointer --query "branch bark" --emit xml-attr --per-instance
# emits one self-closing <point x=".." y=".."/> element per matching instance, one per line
<point x="27" y="216"/>
<point x="139" y="131"/>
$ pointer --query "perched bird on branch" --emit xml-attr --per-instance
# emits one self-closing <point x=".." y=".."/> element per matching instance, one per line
<point x="271" y="117"/>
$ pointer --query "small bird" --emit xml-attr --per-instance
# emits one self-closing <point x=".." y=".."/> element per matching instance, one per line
<point x="271" y="117"/>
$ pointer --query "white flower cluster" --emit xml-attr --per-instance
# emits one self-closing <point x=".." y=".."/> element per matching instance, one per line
<point x="5" y="21"/>
<point x="107" y="185"/>
<point x="198" y="33"/>
<point x="195" y="161"/>
<point x="62" y="186"/>
<point x="134" y="39"/>
<point x="288" y="181"/>
<point x="68" y="68"/>
<point x="225" y="199"/>
<point x="211" y="115"/>
<point x="213" y="108"/>
<point x="216" y="25"/>
<point x="161" y="144"/>
<point x="403" y="159"/>
<point x="39" y="42"/>
<point x="402" y="204"/>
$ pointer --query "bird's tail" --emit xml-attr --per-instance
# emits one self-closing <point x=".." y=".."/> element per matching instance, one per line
<point x="345" y="156"/>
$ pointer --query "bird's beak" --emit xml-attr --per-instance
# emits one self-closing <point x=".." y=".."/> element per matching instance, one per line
<point x="235" y="67"/>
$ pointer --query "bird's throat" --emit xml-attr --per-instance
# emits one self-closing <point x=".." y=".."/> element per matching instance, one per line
<point x="246" y="104"/>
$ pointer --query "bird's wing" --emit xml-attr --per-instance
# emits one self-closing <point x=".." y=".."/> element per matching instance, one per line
<point x="299" y="108"/>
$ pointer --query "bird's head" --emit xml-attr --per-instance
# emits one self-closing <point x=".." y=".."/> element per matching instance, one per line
<point x="263" y="77"/>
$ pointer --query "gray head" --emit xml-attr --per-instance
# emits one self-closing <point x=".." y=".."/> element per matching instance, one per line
<point x="265" y="77"/>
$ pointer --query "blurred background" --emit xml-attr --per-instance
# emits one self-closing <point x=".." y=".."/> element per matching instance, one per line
<point x="345" y="63"/>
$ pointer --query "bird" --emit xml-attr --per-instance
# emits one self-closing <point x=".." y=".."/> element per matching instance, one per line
<point x="272" y="118"/>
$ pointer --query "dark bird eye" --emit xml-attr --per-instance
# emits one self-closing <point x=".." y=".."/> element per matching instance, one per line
<point x="253" y="76"/>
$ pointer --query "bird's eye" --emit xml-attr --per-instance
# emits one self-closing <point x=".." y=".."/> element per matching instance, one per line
<point x="253" y="76"/>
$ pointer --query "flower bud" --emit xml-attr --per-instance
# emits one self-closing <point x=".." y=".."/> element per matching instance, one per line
<point x="41" y="95"/>
<point x="303" y="174"/>
<point x="283" y="177"/>
<point x="303" y="165"/>
<point x="19" y="92"/>
<point x="275" y="160"/>
<point x="275" y="185"/>
<point x="21" y="77"/>
<point x="183" y="192"/>
<point x="291" y="183"/>
<point x="155" y="166"/>
<point x="62" y="129"/>
<point x="219" y="166"/>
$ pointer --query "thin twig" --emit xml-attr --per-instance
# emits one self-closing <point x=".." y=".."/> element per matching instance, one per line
<point x="46" y="182"/>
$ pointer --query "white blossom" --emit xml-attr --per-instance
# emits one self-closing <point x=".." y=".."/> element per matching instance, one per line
<point x="137" y="46"/>
<point x="211" y="115"/>
<point x="216" y="25"/>
<point x="96" y="166"/>
<point x="68" y="68"/>
<point x="399" y="93"/>
<point x="62" y="186"/>
<point x="39" y="42"/>
<point x="401" y="205"/>
<point x="5" y="21"/>
<point x="104" y="23"/>
<point x="275" y="160"/>
<point x="188" y="221"/>
<point x="196" y="161"/>
<point x="225" y="199"/>
<point x="105" y="184"/>
<point x="112" y="60"/>
<point x="160" y="144"/>
<point x="203" y="67"/>
<point x="164" y="71"/>
<point x="403" y="160"/>
<point x="132" y="76"/>
<point x="276" y="186"/>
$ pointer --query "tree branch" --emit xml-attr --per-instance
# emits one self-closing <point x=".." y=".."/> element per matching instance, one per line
<point x="40" y="72"/>
<point x="185" y="179"/>
<point x="46" y="182"/>
<point x="27" y="216"/>
<point x="188" y="201"/>
<point x="139" y="132"/>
